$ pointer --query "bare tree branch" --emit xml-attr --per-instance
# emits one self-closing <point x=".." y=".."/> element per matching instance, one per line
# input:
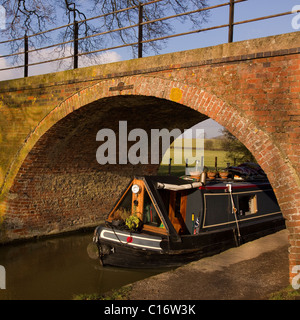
<point x="34" y="16"/>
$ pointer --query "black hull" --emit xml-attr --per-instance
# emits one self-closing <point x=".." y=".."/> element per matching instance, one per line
<point x="191" y="248"/>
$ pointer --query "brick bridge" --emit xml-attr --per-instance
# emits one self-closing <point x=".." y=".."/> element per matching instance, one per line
<point x="50" y="181"/>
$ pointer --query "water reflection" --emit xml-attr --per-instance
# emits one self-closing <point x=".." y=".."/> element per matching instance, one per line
<point x="59" y="269"/>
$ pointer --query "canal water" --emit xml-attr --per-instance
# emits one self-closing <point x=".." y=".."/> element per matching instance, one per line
<point x="58" y="269"/>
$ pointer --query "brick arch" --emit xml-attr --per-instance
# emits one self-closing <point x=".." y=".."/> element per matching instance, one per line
<point x="253" y="137"/>
<point x="256" y="140"/>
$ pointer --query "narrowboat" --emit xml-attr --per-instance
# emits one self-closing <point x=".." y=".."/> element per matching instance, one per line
<point x="168" y="221"/>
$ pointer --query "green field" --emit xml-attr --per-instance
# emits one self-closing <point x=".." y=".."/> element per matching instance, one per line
<point x="214" y="151"/>
<point x="209" y="162"/>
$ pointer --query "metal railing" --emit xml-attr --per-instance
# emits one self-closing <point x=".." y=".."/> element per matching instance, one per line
<point x="139" y="24"/>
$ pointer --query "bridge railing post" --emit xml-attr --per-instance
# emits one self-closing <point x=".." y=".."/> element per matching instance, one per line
<point x="140" y="26"/>
<point x="25" y="55"/>
<point x="75" y="60"/>
<point x="231" y="21"/>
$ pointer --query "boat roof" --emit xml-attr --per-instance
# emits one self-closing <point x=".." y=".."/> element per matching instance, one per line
<point x="153" y="184"/>
<point x="158" y="181"/>
<point x="222" y="185"/>
<point x="173" y="183"/>
<point x="168" y="180"/>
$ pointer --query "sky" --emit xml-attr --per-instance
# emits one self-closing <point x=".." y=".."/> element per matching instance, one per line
<point x="250" y="9"/>
<point x="243" y="11"/>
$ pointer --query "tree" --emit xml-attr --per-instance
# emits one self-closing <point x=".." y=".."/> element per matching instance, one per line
<point x="236" y="151"/>
<point x="208" y="144"/>
<point x="35" y="16"/>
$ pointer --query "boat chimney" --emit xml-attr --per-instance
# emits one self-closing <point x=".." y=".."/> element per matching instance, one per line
<point x="203" y="178"/>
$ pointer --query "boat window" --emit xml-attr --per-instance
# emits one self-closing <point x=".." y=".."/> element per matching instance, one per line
<point x="150" y="216"/>
<point x="247" y="205"/>
<point x="123" y="210"/>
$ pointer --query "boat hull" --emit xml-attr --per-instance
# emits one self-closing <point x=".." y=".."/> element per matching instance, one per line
<point x="123" y="250"/>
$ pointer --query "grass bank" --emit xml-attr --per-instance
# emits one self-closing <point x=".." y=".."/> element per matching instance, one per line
<point x="118" y="294"/>
<point x="287" y="293"/>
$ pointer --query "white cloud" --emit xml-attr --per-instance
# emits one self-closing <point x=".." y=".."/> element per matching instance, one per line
<point x="9" y="74"/>
<point x="50" y="54"/>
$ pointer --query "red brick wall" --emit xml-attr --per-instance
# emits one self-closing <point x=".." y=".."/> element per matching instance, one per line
<point x="255" y="96"/>
<point x="61" y="187"/>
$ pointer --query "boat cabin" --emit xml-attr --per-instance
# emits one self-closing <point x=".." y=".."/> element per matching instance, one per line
<point x="169" y="221"/>
<point x="172" y="206"/>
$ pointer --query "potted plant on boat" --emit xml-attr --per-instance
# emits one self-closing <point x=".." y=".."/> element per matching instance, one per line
<point x="133" y="223"/>
<point x="223" y="173"/>
<point x="211" y="174"/>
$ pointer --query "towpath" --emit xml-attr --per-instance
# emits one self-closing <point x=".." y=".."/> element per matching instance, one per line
<point x="251" y="271"/>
